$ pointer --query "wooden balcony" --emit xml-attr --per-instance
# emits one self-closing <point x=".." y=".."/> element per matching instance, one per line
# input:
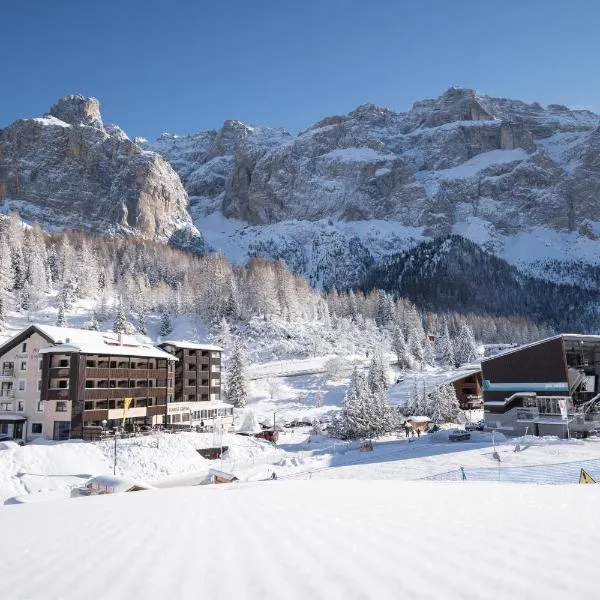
<point x="61" y="394"/>
<point x="106" y="393"/>
<point x="60" y="372"/>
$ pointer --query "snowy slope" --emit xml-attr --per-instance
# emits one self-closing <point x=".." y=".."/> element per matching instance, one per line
<point x="308" y="539"/>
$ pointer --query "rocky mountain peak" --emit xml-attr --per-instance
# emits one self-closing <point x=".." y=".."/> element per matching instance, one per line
<point x="77" y="110"/>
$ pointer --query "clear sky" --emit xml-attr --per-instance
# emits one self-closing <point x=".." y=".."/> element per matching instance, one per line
<point x="187" y="65"/>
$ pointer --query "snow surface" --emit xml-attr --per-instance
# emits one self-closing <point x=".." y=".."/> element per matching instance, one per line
<point x="308" y="539"/>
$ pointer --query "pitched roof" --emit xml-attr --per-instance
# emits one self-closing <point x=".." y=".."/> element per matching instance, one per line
<point x="191" y="345"/>
<point x="69" y="339"/>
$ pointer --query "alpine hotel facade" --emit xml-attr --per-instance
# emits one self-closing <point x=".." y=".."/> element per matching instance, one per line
<point x="64" y="383"/>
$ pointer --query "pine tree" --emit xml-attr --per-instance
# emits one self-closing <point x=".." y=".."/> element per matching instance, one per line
<point x="377" y="377"/>
<point x="428" y="352"/>
<point x="120" y="324"/>
<point x="465" y="347"/>
<point x="166" y="326"/>
<point x="224" y="333"/>
<point x="444" y="348"/>
<point x="93" y="323"/>
<point x="61" y="320"/>
<point x="452" y="407"/>
<point x="237" y="385"/>
<point x="400" y="349"/>
<point x="2" y="311"/>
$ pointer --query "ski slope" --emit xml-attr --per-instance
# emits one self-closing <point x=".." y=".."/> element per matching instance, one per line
<point x="307" y="539"/>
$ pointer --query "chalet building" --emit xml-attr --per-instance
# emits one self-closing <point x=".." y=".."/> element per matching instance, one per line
<point x="60" y="382"/>
<point x="197" y="395"/>
<point x="468" y="387"/>
<point x="550" y="387"/>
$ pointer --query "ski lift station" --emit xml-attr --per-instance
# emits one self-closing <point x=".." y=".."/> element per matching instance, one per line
<point x="550" y="387"/>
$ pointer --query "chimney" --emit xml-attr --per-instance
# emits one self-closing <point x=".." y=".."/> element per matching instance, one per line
<point x="120" y="339"/>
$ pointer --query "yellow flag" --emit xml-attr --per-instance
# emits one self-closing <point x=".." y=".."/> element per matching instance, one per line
<point x="585" y="477"/>
<point x="125" y="408"/>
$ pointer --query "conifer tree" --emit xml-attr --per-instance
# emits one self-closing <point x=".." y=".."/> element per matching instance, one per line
<point x="237" y="385"/>
<point x="400" y="349"/>
<point x="465" y="347"/>
<point x="61" y="320"/>
<point x="120" y="324"/>
<point x="377" y="377"/>
<point x="166" y="327"/>
<point x="93" y="323"/>
<point x="444" y="348"/>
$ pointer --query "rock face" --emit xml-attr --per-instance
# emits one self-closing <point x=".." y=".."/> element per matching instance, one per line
<point x="446" y="159"/>
<point x="67" y="169"/>
<point x="484" y="167"/>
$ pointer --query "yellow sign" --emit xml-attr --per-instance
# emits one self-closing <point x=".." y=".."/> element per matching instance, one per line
<point x="585" y="477"/>
<point x="126" y="406"/>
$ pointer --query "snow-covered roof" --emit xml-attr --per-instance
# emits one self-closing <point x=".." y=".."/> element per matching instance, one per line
<point x="566" y="336"/>
<point x="119" y="484"/>
<point x="68" y="339"/>
<point x="212" y="404"/>
<point x="192" y="345"/>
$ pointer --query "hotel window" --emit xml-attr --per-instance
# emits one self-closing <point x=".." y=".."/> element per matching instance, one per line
<point x="21" y="385"/>
<point x="41" y="364"/>
<point x="24" y="347"/>
<point x="40" y="406"/>
<point x="23" y="365"/>
<point x="61" y="407"/>
<point x="36" y="428"/>
<point x="20" y="406"/>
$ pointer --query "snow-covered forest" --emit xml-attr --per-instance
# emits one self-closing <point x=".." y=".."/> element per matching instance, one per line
<point x="125" y="282"/>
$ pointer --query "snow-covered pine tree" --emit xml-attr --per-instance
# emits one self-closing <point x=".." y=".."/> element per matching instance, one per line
<point x="316" y="429"/>
<point x="224" y="334"/>
<point x="444" y="348"/>
<point x="61" y="320"/>
<point x="2" y="310"/>
<point x="377" y="378"/>
<point x="428" y="352"/>
<point x="93" y="323"/>
<point x="400" y="349"/>
<point x="415" y="347"/>
<point x="120" y="324"/>
<point x="452" y="407"/>
<point x="437" y="405"/>
<point x="465" y="347"/>
<point x="237" y="385"/>
<point x="165" y="324"/>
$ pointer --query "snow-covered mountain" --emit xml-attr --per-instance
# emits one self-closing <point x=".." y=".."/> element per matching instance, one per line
<point x="69" y="170"/>
<point x="520" y="180"/>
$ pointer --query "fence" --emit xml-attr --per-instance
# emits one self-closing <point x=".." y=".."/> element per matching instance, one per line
<point x="553" y="474"/>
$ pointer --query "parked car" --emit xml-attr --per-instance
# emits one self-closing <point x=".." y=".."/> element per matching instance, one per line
<point x="475" y="425"/>
<point x="459" y="435"/>
<point x="8" y="438"/>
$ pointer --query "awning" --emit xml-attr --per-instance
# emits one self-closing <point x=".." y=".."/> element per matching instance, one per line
<point x="11" y="418"/>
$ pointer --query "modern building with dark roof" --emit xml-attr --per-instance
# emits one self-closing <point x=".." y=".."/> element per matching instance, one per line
<point x="550" y="387"/>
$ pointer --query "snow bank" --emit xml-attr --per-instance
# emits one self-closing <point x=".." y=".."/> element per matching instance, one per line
<point x="154" y="457"/>
<point x="358" y="523"/>
<point x="59" y="466"/>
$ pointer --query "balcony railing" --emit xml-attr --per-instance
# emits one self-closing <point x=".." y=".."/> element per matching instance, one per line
<point x="7" y="406"/>
<point x="7" y="393"/>
<point x="7" y="373"/>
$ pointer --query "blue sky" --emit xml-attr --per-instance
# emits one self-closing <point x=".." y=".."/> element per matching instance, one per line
<point x="187" y="65"/>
